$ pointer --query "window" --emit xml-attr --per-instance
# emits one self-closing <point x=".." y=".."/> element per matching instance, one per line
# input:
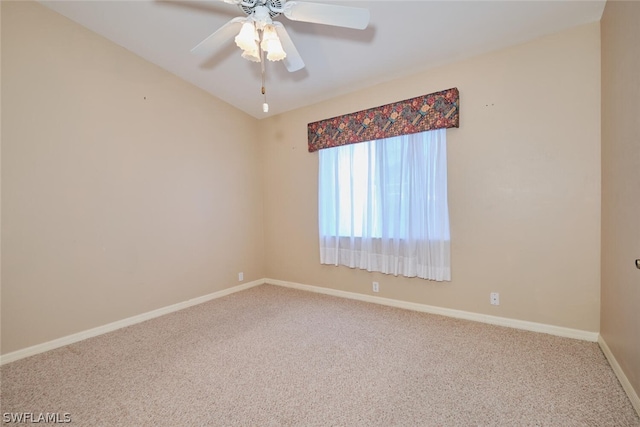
<point x="383" y="206"/>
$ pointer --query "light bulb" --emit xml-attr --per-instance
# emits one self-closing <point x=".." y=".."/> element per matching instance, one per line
<point x="265" y="107"/>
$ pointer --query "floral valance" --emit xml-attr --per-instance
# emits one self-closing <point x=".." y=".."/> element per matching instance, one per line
<point x="428" y="112"/>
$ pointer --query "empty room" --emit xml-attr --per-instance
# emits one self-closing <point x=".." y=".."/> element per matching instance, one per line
<point x="319" y="213"/>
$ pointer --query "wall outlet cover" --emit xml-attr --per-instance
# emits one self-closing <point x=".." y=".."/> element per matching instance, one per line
<point x="494" y="298"/>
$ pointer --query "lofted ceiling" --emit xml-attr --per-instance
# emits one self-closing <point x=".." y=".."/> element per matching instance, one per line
<point x="403" y="38"/>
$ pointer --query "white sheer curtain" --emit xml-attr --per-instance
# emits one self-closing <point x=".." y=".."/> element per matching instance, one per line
<point x="383" y="206"/>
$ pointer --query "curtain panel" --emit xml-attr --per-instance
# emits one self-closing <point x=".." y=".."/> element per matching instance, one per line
<point x="439" y="110"/>
<point x="383" y="206"/>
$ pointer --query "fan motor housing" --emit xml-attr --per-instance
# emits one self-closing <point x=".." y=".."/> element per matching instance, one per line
<point x="270" y="4"/>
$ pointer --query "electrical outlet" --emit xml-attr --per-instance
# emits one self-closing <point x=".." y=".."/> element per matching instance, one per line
<point x="240" y="277"/>
<point x="494" y="298"/>
<point x="376" y="287"/>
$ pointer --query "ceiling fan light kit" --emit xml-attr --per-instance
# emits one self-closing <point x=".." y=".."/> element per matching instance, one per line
<point x="258" y="33"/>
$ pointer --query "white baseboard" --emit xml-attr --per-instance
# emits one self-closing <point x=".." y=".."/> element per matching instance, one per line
<point x="624" y="381"/>
<point x="477" y="317"/>
<point x="70" y="339"/>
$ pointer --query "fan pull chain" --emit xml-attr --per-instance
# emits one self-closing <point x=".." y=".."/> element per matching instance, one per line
<point x="265" y="105"/>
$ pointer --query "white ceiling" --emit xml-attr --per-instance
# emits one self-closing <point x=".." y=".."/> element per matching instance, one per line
<point x="403" y="38"/>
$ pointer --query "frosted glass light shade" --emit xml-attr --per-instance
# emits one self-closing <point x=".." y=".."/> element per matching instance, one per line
<point x="271" y="44"/>
<point x="247" y="38"/>
<point x="252" y="55"/>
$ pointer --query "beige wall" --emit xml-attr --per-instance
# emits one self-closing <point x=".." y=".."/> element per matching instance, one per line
<point x="524" y="185"/>
<point x="124" y="189"/>
<point x="620" y="324"/>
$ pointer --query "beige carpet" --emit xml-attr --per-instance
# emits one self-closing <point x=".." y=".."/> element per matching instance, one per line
<point x="271" y="356"/>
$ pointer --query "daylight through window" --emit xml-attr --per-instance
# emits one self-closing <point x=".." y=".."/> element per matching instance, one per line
<point x="383" y="206"/>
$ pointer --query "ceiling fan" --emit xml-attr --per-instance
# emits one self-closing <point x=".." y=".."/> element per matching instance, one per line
<point x="257" y="33"/>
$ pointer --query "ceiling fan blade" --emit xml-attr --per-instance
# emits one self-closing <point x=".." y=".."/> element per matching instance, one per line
<point x="220" y="37"/>
<point x="293" y="61"/>
<point x="328" y="14"/>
